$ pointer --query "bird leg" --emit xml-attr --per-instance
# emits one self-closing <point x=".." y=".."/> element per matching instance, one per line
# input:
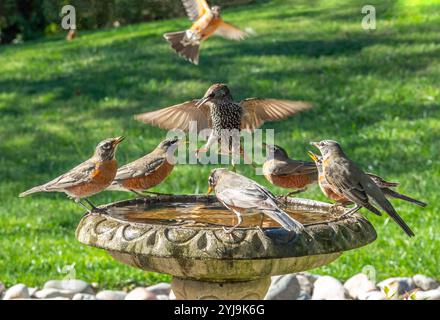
<point x="351" y="211"/>
<point x="294" y="192"/>
<point x="240" y="220"/>
<point x="83" y="205"/>
<point x="260" y="226"/>
<point x="94" y="208"/>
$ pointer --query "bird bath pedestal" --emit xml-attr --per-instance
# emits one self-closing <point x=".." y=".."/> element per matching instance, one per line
<point x="184" y="236"/>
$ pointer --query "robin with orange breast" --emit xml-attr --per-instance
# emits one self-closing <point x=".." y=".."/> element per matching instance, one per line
<point x="206" y="22"/>
<point x="218" y="111"/>
<point x="347" y="179"/>
<point x="243" y="196"/>
<point x="287" y="173"/>
<point x="90" y="177"/>
<point x="384" y="185"/>
<point x="148" y="171"/>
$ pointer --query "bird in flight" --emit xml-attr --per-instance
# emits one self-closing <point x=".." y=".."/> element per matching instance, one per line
<point x="206" y="22"/>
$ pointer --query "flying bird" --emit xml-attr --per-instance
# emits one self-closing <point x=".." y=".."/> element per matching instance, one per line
<point x="148" y="171"/>
<point x="218" y="111"/>
<point x="90" y="177"/>
<point x="206" y="22"/>
<point x="288" y="173"/>
<point x="242" y="196"/>
<point x="348" y="180"/>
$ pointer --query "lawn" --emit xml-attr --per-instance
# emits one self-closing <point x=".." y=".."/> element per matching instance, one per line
<point x="377" y="92"/>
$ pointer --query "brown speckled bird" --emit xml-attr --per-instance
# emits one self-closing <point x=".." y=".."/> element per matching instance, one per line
<point x="90" y="177"/>
<point x="218" y="111"/>
<point x="384" y="185"/>
<point x="243" y="196"/>
<point x="348" y="180"/>
<point x="206" y="22"/>
<point x="287" y="173"/>
<point x="148" y="171"/>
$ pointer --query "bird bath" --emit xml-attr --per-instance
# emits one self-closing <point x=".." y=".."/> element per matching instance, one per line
<point x="184" y="236"/>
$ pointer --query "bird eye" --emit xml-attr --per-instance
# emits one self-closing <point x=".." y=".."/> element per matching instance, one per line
<point x="107" y="146"/>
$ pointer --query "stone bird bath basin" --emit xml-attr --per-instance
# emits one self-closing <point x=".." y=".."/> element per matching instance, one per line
<point x="184" y="236"/>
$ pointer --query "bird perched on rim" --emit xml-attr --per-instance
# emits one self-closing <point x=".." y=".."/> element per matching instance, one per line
<point x="90" y="177"/>
<point x="284" y="172"/>
<point x="243" y="196"/>
<point x="148" y="171"/>
<point x="384" y="185"/>
<point x="348" y="180"/>
<point x="206" y="22"/>
<point x="218" y="111"/>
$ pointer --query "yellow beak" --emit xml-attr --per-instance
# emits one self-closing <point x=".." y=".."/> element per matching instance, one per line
<point x="312" y="155"/>
<point x="210" y="189"/>
<point x="118" y="140"/>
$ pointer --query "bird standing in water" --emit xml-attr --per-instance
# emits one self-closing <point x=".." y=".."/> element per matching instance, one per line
<point x="284" y="172"/>
<point x="206" y="22"/>
<point x="243" y="196"/>
<point x="148" y="171"/>
<point x="90" y="177"/>
<point x="218" y="111"/>
<point x="348" y="180"/>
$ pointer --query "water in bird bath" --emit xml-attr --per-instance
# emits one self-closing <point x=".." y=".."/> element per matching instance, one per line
<point x="203" y="214"/>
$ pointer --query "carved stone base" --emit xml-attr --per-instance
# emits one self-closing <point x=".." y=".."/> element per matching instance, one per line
<point x="205" y="290"/>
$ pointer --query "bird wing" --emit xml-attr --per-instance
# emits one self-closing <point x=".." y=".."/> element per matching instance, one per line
<point x="228" y="31"/>
<point x="139" y="168"/>
<point x="178" y="116"/>
<point x="294" y="167"/>
<point x="257" y="110"/>
<point x="195" y="8"/>
<point x="82" y="173"/>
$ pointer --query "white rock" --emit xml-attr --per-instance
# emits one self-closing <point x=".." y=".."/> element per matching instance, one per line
<point x="84" y="296"/>
<point x="289" y="287"/>
<point x="111" y="295"/>
<point x="49" y="293"/>
<point x="428" y="295"/>
<point x="160" y="288"/>
<point x="19" y="291"/>
<point x="397" y="286"/>
<point x="140" y="293"/>
<point x="328" y="288"/>
<point x="425" y="283"/>
<point x="359" y="284"/>
<point x="172" y="295"/>
<point x="32" y="292"/>
<point x="372" y="295"/>
<point x="162" y="297"/>
<point x="73" y="285"/>
<point x="311" y="277"/>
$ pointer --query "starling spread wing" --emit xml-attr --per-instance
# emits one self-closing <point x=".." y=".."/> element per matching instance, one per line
<point x="257" y="111"/>
<point x="195" y="8"/>
<point x="229" y="31"/>
<point x="139" y="168"/>
<point x="178" y="117"/>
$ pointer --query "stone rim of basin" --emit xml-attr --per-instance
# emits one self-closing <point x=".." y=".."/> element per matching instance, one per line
<point x="167" y="241"/>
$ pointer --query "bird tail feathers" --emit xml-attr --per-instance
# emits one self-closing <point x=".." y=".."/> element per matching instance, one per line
<point x="31" y="191"/>
<point x="284" y="220"/>
<point x="400" y="196"/>
<point x="183" y="45"/>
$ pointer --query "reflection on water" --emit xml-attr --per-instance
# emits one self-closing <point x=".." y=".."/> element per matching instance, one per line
<point x="203" y="214"/>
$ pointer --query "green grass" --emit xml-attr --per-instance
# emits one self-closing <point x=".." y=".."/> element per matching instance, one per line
<point x="377" y="92"/>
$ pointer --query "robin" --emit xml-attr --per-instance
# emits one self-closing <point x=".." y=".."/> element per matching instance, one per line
<point x="90" y="177"/>
<point x="284" y="172"/>
<point x="206" y="22"/>
<point x="148" y="171"/>
<point x="244" y="196"/>
<point x="348" y="180"/>
<point x="380" y="182"/>
<point x="218" y="111"/>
